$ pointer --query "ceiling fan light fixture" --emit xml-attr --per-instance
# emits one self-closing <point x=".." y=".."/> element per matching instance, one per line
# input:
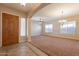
<point x="23" y="4"/>
<point x="41" y="20"/>
<point x="62" y="21"/>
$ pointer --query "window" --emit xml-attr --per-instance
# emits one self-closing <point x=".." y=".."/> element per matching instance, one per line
<point x="68" y="27"/>
<point x="72" y="27"/>
<point x="22" y="27"/>
<point x="48" y="27"/>
<point x="63" y="28"/>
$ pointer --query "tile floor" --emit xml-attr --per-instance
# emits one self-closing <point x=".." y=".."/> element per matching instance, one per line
<point x="22" y="49"/>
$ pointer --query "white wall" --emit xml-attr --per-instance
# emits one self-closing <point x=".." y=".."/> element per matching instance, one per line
<point x="11" y="11"/>
<point x="4" y="9"/>
<point x="36" y="28"/>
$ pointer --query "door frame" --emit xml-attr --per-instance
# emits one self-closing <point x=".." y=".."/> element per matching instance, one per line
<point x="2" y="26"/>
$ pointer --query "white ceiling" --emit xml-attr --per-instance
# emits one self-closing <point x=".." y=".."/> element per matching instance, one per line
<point x="19" y="7"/>
<point x="50" y="12"/>
<point x="54" y="11"/>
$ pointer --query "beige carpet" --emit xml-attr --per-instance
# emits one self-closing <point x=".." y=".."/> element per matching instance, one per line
<point x="56" y="46"/>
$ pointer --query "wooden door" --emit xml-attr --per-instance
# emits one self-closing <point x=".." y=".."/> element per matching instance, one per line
<point x="10" y="29"/>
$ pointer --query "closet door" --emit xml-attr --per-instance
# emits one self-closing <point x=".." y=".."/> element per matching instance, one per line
<point x="10" y="29"/>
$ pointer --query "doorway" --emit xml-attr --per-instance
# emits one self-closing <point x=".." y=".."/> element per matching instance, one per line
<point x="10" y="29"/>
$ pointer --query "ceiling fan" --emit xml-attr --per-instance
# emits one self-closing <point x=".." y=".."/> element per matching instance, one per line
<point x="41" y="20"/>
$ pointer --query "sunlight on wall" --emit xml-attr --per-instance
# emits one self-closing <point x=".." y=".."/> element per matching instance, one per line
<point x="22" y="27"/>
